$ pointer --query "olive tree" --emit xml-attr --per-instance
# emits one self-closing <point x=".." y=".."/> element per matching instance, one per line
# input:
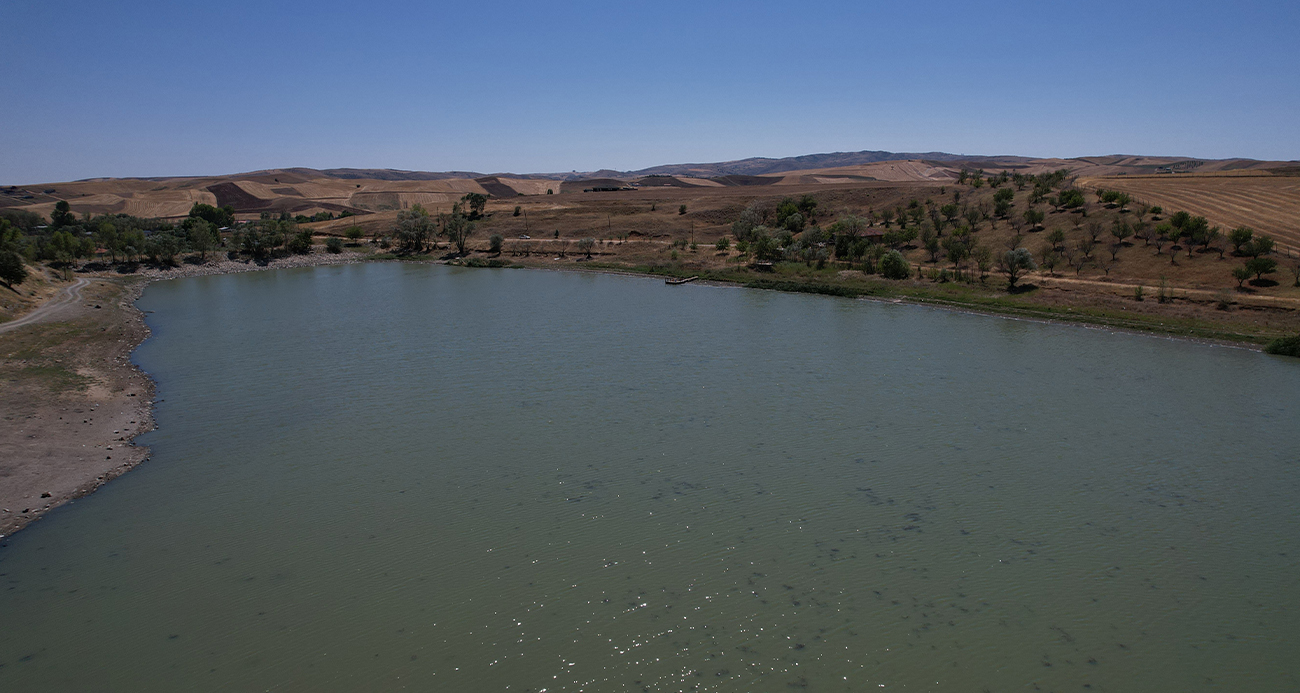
<point x="1260" y="266"/>
<point x="1034" y="218"/>
<point x="458" y="228"/>
<point x="415" y="230"/>
<point x="1015" y="263"/>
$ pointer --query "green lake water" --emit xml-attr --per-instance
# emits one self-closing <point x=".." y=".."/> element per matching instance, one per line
<point x="390" y="477"/>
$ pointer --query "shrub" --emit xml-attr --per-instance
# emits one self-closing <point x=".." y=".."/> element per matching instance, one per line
<point x="894" y="266"/>
<point x="1284" y="346"/>
<point x="681" y="210"/>
<point x="300" y="244"/>
<point x="494" y="243"/>
<point x="12" y="269"/>
<point x="723" y="243"/>
<point x="334" y="245"/>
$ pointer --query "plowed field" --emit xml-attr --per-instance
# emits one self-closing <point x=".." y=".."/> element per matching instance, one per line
<point x="1267" y="203"/>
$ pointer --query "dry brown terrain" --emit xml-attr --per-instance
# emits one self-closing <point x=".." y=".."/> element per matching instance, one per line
<point x="1262" y="201"/>
<point x="71" y="401"/>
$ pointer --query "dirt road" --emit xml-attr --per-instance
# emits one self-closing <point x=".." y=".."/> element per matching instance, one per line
<point x="67" y="295"/>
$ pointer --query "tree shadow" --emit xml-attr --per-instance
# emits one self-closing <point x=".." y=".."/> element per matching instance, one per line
<point x="1022" y="289"/>
<point x="1263" y="282"/>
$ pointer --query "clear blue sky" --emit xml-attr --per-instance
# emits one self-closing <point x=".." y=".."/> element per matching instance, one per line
<point x="171" y="88"/>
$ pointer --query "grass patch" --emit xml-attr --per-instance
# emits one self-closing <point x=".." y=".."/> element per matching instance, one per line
<point x="983" y="298"/>
<point x="56" y="379"/>
<point x="483" y="262"/>
<point x="1284" y="346"/>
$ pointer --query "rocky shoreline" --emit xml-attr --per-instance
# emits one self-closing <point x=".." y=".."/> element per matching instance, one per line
<point x="60" y="446"/>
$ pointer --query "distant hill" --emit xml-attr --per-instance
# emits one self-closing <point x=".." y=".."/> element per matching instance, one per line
<point x="760" y="166"/>
<point x="359" y="191"/>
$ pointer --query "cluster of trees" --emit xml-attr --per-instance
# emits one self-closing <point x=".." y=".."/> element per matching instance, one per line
<point x="13" y="270"/>
<point x="1245" y="243"/>
<point x="417" y="231"/>
<point x="948" y="230"/>
<point x="122" y="238"/>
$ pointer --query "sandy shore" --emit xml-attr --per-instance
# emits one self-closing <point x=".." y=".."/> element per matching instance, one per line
<point x="72" y="401"/>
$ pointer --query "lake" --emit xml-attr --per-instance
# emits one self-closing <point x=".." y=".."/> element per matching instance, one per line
<point x="414" y="477"/>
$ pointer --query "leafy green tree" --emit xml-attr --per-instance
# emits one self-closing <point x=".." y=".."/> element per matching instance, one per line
<point x="848" y="226"/>
<point x="202" y="236"/>
<point x="162" y="248"/>
<point x="808" y="207"/>
<point x="681" y="209"/>
<point x="1056" y="237"/>
<point x="494" y="243"/>
<point x="750" y="218"/>
<point x="354" y="234"/>
<point x="217" y="216"/>
<point x="1195" y="230"/>
<point x="1071" y="199"/>
<point x="458" y="228"/>
<point x="13" y="271"/>
<point x="62" y="247"/>
<point x="334" y="245"/>
<point x="130" y="243"/>
<point x="933" y="247"/>
<point x="107" y="237"/>
<point x="300" y="243"/>
<point x="1034" y="217"/>
<point x="786" y="209"/>
<point x="62" y="215"/>
<point x="1259" y="245"/>
<point x="894" y="266"/>
<point x="957" y="248"/>
<point x="1180" y="220"/>
<point x="1015" y="263"/>
<point x="1239" y="237"/>
<point x="794" y="223"/>
<point x="415" y="229"/>
<point x="476" y="202"/>
<point x="723" y="243"/>
<point x="1241" y="274"/>
<point x="764" y="246"/>
<point x="1260" y="266"/>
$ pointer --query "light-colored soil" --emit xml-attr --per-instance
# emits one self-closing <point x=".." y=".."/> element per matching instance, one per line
<point x="1263" y="202"/>
<point x="71" y="401"/>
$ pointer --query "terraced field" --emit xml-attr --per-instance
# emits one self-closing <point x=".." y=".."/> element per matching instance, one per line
<point x="1266" y="203"/>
